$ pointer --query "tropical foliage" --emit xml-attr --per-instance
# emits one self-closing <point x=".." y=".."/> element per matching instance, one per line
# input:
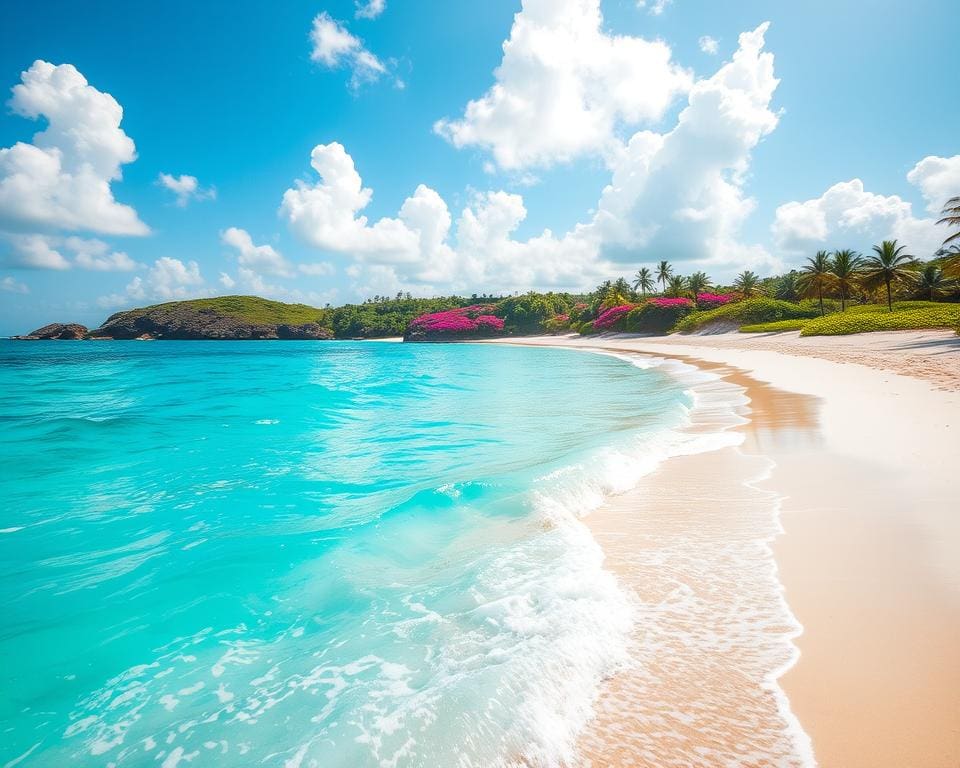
<point x="750" y="311"/>
<point x="889" y="265"/>
<point x="816" y="277"/>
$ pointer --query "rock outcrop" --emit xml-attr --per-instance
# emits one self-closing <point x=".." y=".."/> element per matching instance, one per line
<point x="69" y="331"/>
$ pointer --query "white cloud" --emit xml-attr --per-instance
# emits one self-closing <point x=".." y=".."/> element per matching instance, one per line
<point x="334" y="46"/>
<point x="848" y="216"/>
<point x="35" y="252"/>
<point x="708" y="45"/>
<point x="677" y="195"/>
<point x="417" y="249"/>
<point x="10" y="285"/>
<point x="370" y="9"/>
<point x="47" y="252"/>
<point x="263" y="258"/>
<point x="938" y="179"/>
<point x="325" y="214"/>
<point x="96" y="255"/>
<point x="564" y="87"/>
<point x="317" y="269"/>
<point x="62" y="180"/>
<point x="186" y="188"/>
<point x="168" y="279"/>
<point x="654" y="8"/>
<point x="226" y="281"/>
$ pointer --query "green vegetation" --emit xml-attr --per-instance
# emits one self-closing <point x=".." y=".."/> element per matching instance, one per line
<point x="777" y="326"/>
<point x="529" y="313"/>
<point x="655" y="319"/>
<point x="748" y="312"/>
<point x="747" y="284"/>
<point x="906" y="316"/>
<point x="250" y="309"/>
<point x="643" y="281"/>
<point x="889" y="266"/>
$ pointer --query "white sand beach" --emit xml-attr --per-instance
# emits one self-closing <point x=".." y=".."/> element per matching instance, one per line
<point x="861" y="439"/>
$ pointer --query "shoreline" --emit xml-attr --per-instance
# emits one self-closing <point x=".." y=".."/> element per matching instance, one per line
<point x="862" y="459"/>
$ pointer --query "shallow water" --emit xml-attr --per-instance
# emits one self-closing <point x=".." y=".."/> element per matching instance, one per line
<point x="300" y="553"/>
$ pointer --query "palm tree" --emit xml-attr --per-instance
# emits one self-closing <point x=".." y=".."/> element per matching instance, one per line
<point x="747" y="283"/>
<point x="846" y="273"/>
<point x="932" y="283"/>
<point x="643" y="281"/>
<point x="676" y="286"/>
<point x="890" y="265"/>
<point x="697" y="283"/>
<point x="786" y="289"/>
<point x="951" y="217"/>
<point x="816" y="275"/>
<point x="664" y="273"/>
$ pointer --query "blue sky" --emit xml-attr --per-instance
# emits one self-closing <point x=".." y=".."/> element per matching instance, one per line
<point x="715" y="159"/>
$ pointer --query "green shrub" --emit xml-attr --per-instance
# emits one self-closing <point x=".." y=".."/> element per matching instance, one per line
<point x="748" y="312"/>
<point x="775" y="327"/>
<point x="586" y="328"/>
<point x="651" y="318"/>
<point x="905" y="317"/>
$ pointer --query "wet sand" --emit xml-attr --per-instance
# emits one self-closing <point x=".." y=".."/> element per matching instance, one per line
<point x="860" y="462"/>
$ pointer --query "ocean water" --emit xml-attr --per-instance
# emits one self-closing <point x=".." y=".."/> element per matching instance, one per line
<point x="312" y="554"/>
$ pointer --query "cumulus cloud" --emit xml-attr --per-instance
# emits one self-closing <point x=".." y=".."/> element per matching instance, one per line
<point x="10" y="285"/>
<point x="680" y="195"/>
<point x="334" y="46"/>
<point x="849" y="216"/>
<point x="262" y="258"/>
<point x="327" y="214"/>
<point x="417" y="250"/>
<point x="48" y="252"/>
<point x="370" y="9"/>
<point x="938" y="179"/>
<point x="34" y="252"/>
<point x="708" y="45"/>
<point x="677" y="195"/>
<point x="96" y="255"/>
<point x="168" y="279"/>
<point x="565" y="86"/>
<point x="62" y="180"/>
<point x="186" y="188"/>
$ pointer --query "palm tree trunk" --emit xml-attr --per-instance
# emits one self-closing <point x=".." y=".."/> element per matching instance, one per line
<point x="843" y="300"/>
<point x="820" y="295"/>
<point x="889" y="300"/>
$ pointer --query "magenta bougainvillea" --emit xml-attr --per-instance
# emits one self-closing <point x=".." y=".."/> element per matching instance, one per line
<point x="612" y="316"/>
<point x="664" y="302"/>
<point x="714" y="300"/>
<point x="472" y="321"/>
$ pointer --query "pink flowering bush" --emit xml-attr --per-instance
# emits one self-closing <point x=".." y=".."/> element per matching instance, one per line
<point x="557" y="323"/>
<point x="657" y="316"/>
<point x="665" y="302"/>
<point x="471" y="322"/>
<point x="714" y="300"/>
<point x="612" y="318"/>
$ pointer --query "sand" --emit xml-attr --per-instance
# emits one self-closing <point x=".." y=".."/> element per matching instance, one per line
<point x="858" y="439"/>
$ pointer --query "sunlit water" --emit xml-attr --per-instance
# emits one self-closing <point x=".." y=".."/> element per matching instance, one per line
<point x="311" y="554"/>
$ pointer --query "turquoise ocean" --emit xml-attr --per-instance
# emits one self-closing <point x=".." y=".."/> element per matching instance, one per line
<point x="311" y="554"/>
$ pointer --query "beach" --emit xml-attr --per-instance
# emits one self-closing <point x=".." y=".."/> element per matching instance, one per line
<point x="849" y="446"/>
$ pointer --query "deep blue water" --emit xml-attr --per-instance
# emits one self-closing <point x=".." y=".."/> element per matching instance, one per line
<point x="302" y="553"/>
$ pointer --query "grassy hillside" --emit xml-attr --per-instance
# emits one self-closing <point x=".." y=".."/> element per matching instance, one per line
<point x="250" y="309"/>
